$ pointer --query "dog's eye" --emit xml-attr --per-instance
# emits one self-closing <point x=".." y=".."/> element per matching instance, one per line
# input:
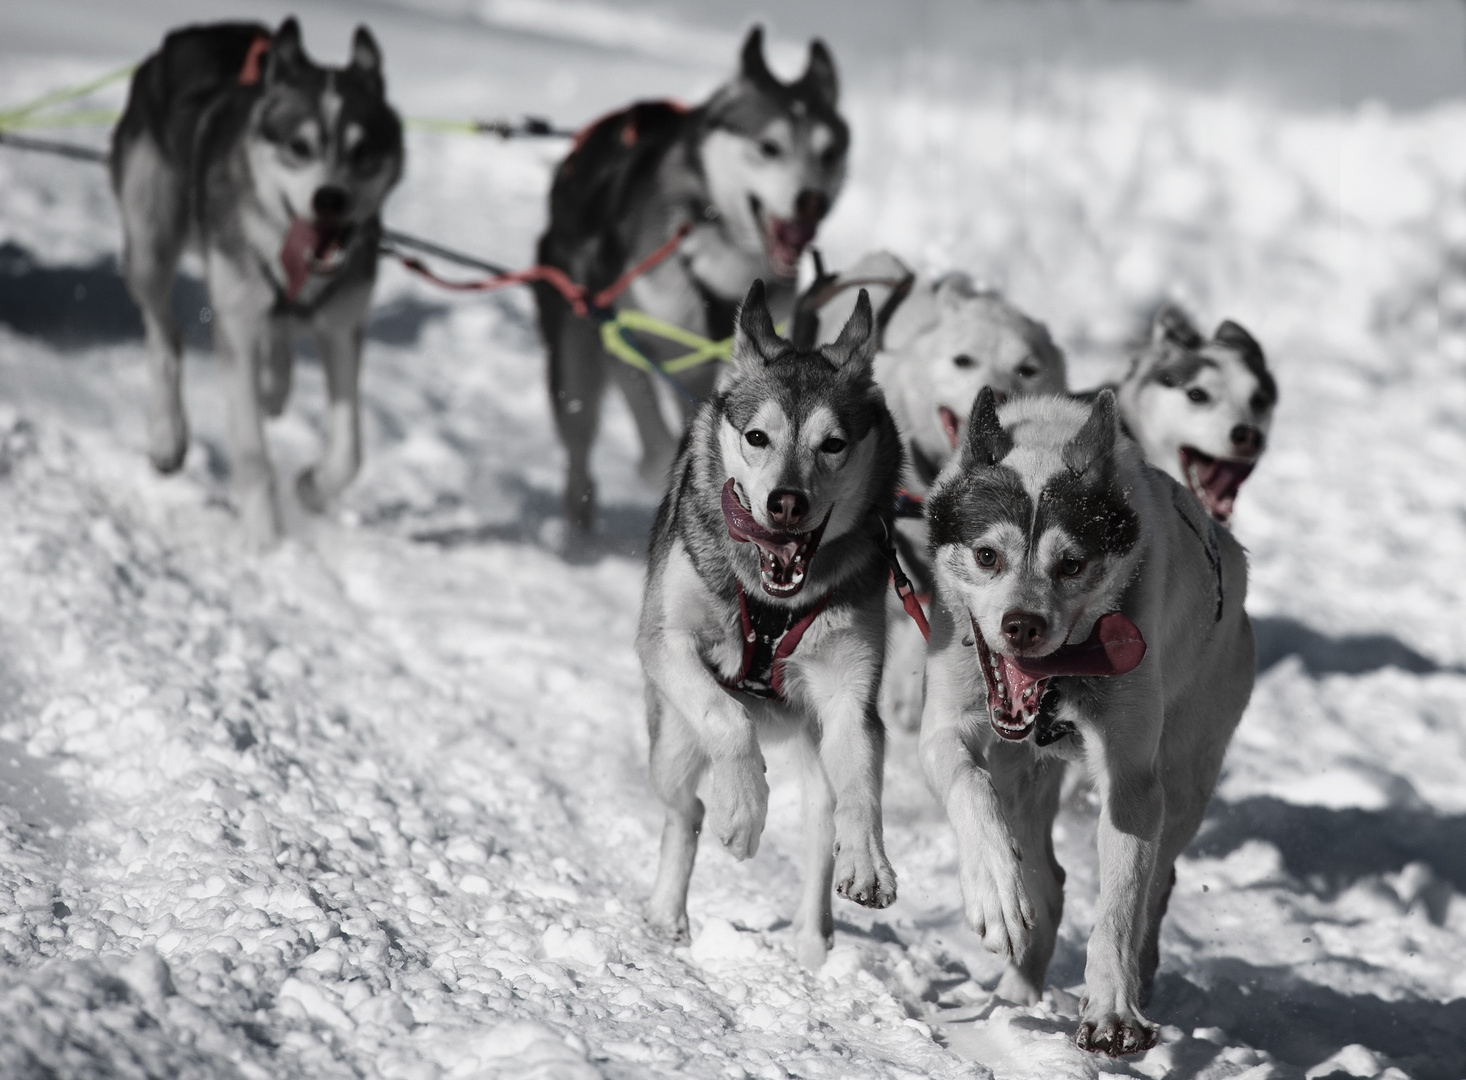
<point x="1071" y="567"/>
<point x="1198" y="395"/>
<point x="986" y="558"/>
<point x="1027" y="371"/>
<point x="1259" y="402"/>
<point x="962" y="360"/>
<point x="830" y="158"/>
<point x="364" y="162"/>
<point x="301" y="148"/>
<point x="769" y="149"/>
<point x="756" y="437"/>
<point x="833" y="445"/>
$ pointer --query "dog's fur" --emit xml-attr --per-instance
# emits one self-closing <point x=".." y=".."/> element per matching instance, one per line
<point x="200" y="158"/>
<point x="753" y="171"/>
<point x="1077" y="526"/>
<point x="1201" y="409"/>
<point x="827" y="435"/>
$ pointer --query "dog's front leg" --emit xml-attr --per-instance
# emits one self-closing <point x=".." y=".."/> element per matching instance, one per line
<point x="242" y="331"/>
<point x="997" y="904"/>
<point x="339" y="331"/>
<point x="1132" y="804"/>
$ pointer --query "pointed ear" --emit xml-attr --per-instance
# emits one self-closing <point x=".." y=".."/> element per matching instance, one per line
<point x="286" y="53"/>
<point x="986" y="443"/>
<point x="751" y="63"/>
<point x="365" y="56"/>
<point x="820" y="78"/>
<point x="1094" y="445"/>
<point x="1234" y="336"/>
<point x="854" y="351"/>
<point x="1174" y="325"/>
<point x="755" y="341"/>
<point x="955" y="287"/>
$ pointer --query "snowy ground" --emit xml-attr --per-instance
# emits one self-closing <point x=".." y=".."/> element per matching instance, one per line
<point x="375" y="805"/>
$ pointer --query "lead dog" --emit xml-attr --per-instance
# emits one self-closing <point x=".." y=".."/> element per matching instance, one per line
<point x="276" y="169"/>
<point x="752" y="172"/>
<point x="763" y="616"/>
<point x="1200" y="409"/>
<point x="1086" y="611"/>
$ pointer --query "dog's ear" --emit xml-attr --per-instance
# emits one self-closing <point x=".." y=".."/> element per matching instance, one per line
<point x="1175" y="326"/>
<point x="366" y="57"/>
<point x="1233" y="336"/>
<point x="854" y="351"/>
<point x="751" y="63"/>
<point x="986" y="443"/>
<point x="820" y="78"/>
<point x="755" y="341"/>
<point x="286" y="52"/>
<point x="1094" y="446"/>
<point x="955" y="287"/>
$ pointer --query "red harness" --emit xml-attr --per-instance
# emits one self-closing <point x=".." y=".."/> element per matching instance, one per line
<point x="749" y="681"/>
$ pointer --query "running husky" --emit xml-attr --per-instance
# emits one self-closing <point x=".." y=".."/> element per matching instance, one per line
<point x="752" y="173"/>
<point x="942" y="340"/>
<point x="764" y="616"/>
<point x="1200" y="409"/>
<point x="1086" y="610"/>
<point x="233" y="140"/>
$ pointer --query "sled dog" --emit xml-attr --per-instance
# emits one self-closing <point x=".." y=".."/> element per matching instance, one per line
<point x="1087" y="610"/>
<point x="1200" y="409"/>
<point x="763" y="617"/>
<point x="942" y="339"/>
<point x="275" y="168"/>
<point x="752" y="173"/>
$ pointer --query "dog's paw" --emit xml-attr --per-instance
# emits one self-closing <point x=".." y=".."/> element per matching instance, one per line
<point x="738" y="802"/>
<point x="309" y="491"/>
<point x="168" y="445"/>
<point x="671" y="925"/>
<point x="998" y="907"/>
<point x="863" y="874"/>
<point x="811" y="948"/>
<point x="1116" y="1035"/>
<point x="259" y="516"/>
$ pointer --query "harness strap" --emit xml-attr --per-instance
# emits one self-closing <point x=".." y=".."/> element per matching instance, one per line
<point x="827" y="286"/>
<point x="904" y="589"/>
<point x="788" y="642"/>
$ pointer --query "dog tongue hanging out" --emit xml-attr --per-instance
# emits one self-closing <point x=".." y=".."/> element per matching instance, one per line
<point x="1086" y="610"/>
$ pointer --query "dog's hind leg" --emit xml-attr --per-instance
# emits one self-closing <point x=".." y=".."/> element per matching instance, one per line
<point x="814" y="923"/>
<point x="339" y="331"/>
<point x="153" y="205"/>
<point x="1030" y="809"/>
<point x="577" y="383"/>
<point x="677" y="763"/>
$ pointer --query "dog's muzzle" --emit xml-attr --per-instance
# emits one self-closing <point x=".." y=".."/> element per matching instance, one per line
<point x="783" y="557"/>
<point x="312" y="246"/>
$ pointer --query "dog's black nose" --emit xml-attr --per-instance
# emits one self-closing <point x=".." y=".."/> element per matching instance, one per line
<point x="330" y="202"/>
<point x="1023" y="629"/>
<point x="1248" y="440"/>
<point x="811" y="206"/>
<point x="787" y="508"/>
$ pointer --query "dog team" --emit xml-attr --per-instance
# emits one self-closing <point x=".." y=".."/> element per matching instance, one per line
<point x="1086" y="600"/>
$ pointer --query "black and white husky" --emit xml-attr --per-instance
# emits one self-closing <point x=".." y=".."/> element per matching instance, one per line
<point x="752" y="172"/>
<point x="276" y="169"/>
<point x="1087" y="610"/>
<point x="1200" y="409"/>
<point x="764" y="616"/>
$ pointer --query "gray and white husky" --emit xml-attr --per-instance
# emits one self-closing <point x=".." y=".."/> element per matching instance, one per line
<point x="1200" y="409"/>
<point x="1087" y="610"/>
<point x="752" y="172"/>
<point x="942" y="340"/>
<point x="764" y="616"/>
<point x="275" y="168"/>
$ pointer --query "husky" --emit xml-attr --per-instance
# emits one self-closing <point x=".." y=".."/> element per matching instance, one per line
<point x="1086" y="610"/>
<point x="763" y="617"/>
<point x="942" y="339"/>
<point x="1201" y="410"/>
<point x="276" y="169"/>
<point x="751" y="173"/>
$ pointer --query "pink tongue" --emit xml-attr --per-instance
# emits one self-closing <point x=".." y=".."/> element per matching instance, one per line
<point x="1114" y="647"/>
<point x="950" y="424"/>
<point x="1222" y="478"/>
<point x="301" y="241"/>
<point x="787" y="240"/>
<point x="742" y="527"/>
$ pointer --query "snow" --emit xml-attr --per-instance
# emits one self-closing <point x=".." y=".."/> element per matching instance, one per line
<point x="375" y="804"/>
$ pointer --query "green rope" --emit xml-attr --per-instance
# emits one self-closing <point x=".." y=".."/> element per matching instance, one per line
<point x="20" y="114"/>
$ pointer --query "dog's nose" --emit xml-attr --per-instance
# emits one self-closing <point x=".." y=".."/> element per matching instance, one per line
<point x="811" y="206"/>
<point x="787" y="508"/>
<point x="330" y="202"/>
<point x="1247" y="440"/>
<point x="1023" y="629"/>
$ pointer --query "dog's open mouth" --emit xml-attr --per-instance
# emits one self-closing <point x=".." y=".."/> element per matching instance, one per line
<point x="1016" y="684"/>
<point x="1215" y="481"/>
<point x="784" y="239"/>
<point x="312" y="246"/>
<point x="951" y="424"/>
<point x="783" y="557"/>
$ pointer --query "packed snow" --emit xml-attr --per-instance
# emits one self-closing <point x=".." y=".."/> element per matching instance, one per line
<point x="375" y="804"/>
